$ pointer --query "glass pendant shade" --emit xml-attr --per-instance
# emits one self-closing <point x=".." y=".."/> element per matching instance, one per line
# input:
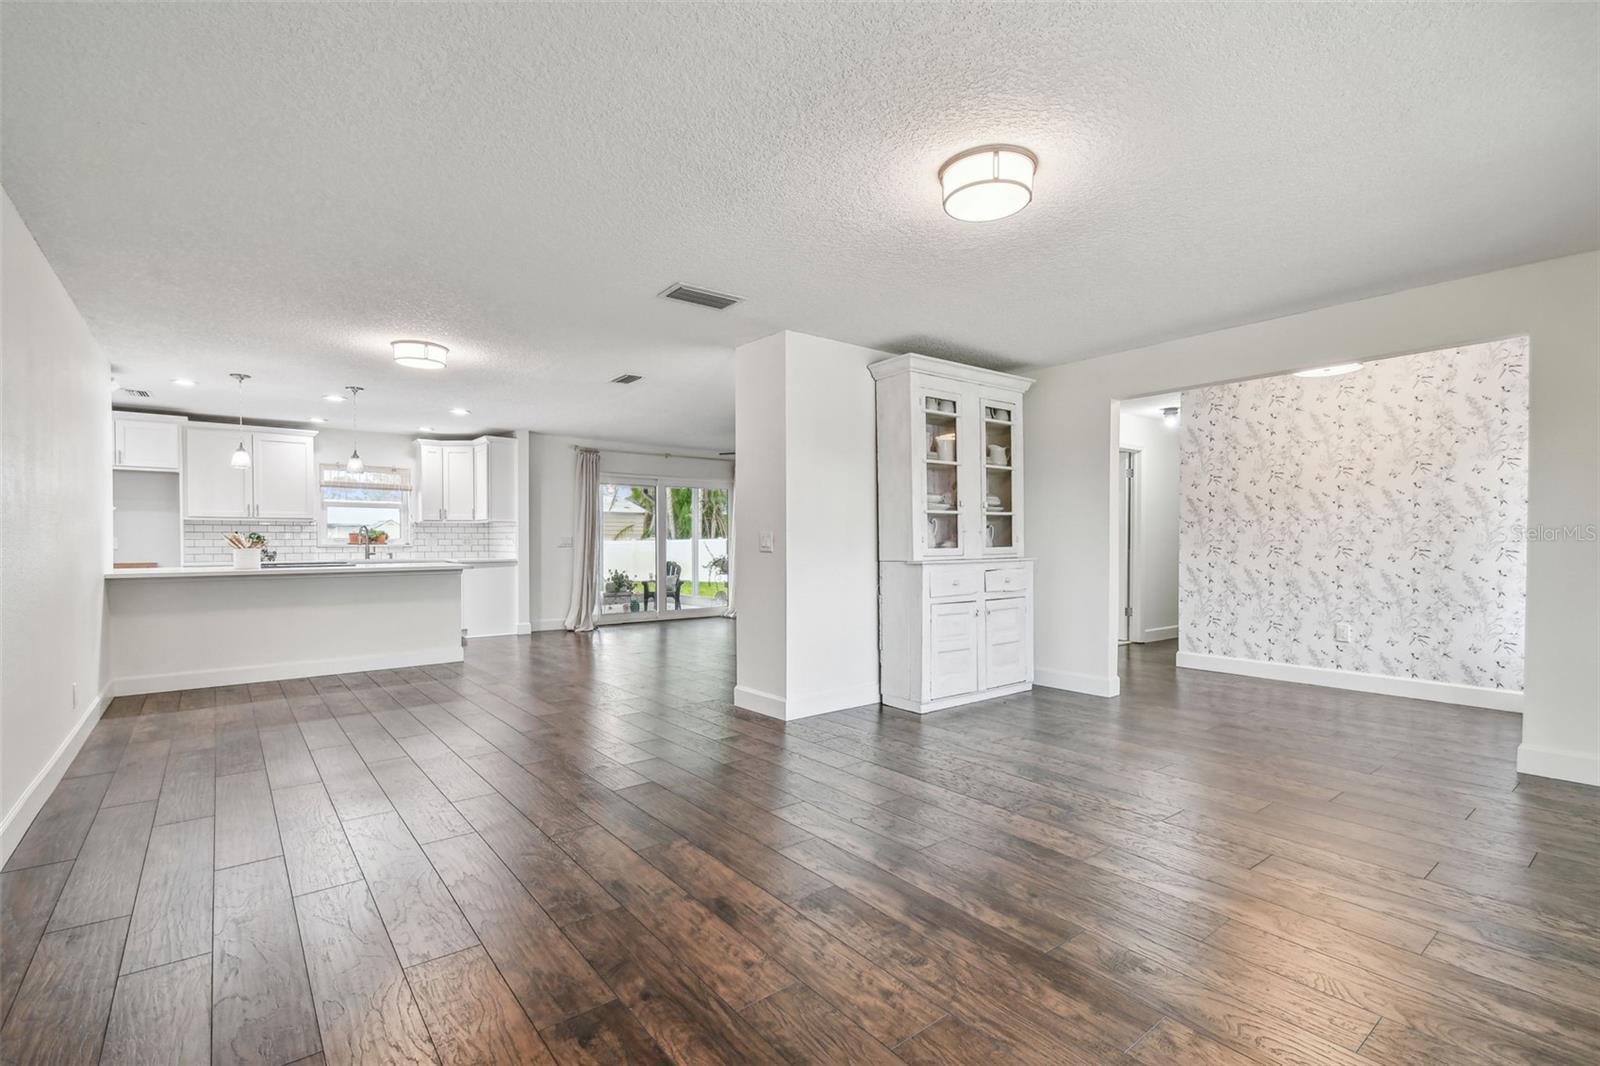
<point x="354" y="463"/>
<point x="241" y="458"/>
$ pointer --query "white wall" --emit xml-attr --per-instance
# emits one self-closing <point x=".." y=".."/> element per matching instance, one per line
<point x="1155" y="535"/>
<point x="759" y="506"/>
<point x="1072" y="419"/>
<point x="55" y="527"/>
<point x="551" y="508"/>
<point x="806" y="430"/>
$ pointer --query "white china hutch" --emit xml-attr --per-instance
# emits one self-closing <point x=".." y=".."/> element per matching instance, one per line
<point x="955" y="591"/>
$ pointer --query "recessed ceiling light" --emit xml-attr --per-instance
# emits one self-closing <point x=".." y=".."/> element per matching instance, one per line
<point x="420" y="355"/>
<point x="424" y="429"/>
<point x="313" y="420"/>
<point x="1329" y="371"/>
<point x="988" y="183"/>
<point x="183" y="383"/>
<point x="459" y="411"/>
<point x="334" y="397"/>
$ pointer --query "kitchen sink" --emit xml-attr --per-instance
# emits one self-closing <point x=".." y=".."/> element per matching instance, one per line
<point x="281" y="566"/>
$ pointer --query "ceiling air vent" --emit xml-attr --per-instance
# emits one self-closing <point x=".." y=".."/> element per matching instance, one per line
<point x="626" y="379"/>
<point x="703" y="297"/>
<point x="137" y="394"/>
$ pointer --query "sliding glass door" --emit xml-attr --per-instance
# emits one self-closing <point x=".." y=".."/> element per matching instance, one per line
<point x="664" y="548"/>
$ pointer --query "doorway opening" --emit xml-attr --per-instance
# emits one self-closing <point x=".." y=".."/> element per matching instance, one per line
<point x="664" y="546"/>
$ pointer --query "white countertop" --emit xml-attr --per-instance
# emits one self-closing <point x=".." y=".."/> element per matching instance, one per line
<point x="364" y="569"/>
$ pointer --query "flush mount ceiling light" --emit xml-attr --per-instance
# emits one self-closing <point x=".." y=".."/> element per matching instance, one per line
<point x="313" y="419"/>
<point x="459" y="411"/>
<point x="1329" y="371"/>
<point x="988" y="183"/>
<point x="334" y="397"/>
<point x="183" y="383"/>
<point x="420" y="355"/>
<point x="424" y="429"/>
<point x="241" y="455"/>
<point x="1169" y="416"/>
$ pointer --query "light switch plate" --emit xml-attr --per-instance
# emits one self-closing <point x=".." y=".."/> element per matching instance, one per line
<point x="766" y="540"/>
<point x="564" y="542"/>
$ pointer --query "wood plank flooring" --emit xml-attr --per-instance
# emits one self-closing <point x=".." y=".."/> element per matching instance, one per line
<point x="573" y="850"/>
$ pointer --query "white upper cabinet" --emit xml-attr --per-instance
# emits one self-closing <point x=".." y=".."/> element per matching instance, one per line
<point x="949" y="461"/>
<point x="460" y="477"/>
<point x="430" y="481"/>
<point x="496" y="478"/>
<point x="147" y="442"/>
<point x="212" y="487"/>
<point x="467" y="481"/>
<point x="280" y="482"/>
<point x="284" y="470"/>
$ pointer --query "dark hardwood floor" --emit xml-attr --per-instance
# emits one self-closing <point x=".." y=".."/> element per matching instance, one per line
<point x="573" y="850"/>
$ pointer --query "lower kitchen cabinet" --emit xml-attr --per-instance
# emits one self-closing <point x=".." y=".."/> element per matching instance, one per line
<point x="954" y="633"/>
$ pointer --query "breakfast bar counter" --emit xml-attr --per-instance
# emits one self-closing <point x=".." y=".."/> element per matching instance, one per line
<point x="193" y="627"/>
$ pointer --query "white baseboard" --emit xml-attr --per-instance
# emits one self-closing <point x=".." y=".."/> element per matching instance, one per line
<point x="1155" y="633"/>
<point x="1494" y="699"/>
<point x="1089" y="684"/>
<point x="524" y="628"/>
<point x="1582" y="767"/>
<point x="964" y="700"/>
<point x="838" y="699"/>
<point x="753" y="699"/>
<point x="514" y="631"/>
<point x="134" y="686"/>
<point x="804" y="706"/>
<point x="548" y="625"/>
<point x="22" y="812"/>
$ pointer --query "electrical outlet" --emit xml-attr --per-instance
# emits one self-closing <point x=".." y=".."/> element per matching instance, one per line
<point x="766" y="540"/>
<point x="1341" y="632"/>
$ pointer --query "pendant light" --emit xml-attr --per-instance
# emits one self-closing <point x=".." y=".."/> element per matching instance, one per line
<point x="354" y="464"/>
<point x="241" y="455"/>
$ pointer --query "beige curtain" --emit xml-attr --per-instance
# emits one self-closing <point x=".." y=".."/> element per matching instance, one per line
<point x="733" y="561"/>
<point x="585" y="542"/>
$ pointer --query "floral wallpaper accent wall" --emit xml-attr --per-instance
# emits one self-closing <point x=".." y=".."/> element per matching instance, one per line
<point x="1393" y="499"/>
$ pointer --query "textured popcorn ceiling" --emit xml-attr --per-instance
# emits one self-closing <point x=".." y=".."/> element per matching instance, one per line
<point x="282" y="188"/>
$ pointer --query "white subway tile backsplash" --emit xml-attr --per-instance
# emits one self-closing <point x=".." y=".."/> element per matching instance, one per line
<point x="297" y="541"/>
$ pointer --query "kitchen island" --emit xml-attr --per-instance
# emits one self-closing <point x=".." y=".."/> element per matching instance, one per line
<point x="199" y="626"/>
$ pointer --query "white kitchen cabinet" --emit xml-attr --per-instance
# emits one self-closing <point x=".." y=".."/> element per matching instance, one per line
<point x="147" y="442"/>
<point x="430" y="481"/>
<point x="466" y="481"/>
<point x="496" y="478"/>
<point x="280" y="482"/>
<point x="284" y="473"/>
<point x="955" y="618"/>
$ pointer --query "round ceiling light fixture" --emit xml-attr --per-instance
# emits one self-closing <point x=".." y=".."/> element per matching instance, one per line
<point x="987" y="183"/>
<point x="1169" y="417"/>
<point x="420" y="355"/>
<point x="1329" y="371"/>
